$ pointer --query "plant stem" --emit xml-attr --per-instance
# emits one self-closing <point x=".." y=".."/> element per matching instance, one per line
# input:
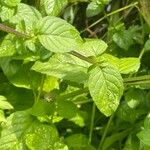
<point x="138" y="82"/>
<point x="135" y="79"/>
<point x="105" y="132"/>
<point x="109" y="14"/>
<point x="72" y="94"/>
<point x="141" y="53"/>
<point x="83" y="102"/>
<point x="92" y="122"/>
<point x="8" y="29"/>
<point x="74" y="53"/>
<point x="143" y="35"/>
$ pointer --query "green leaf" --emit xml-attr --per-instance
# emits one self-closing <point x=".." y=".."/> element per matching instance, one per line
<point x="21" y="128"/>
<point x="132" y="143"/>
<point x="92" y="47"/>
<point x="50" y="83"/>
<point x="57" y="35"/>
<point x="6" y="13"/>
<point x="60" y="146"/>
<point x="31" y="45"/>
<point x="93" y="9"/>
<point x="125" y="65"/>
<point x="147" y="122"/>
<point x="19" y="74"/>
<point x="4" y="104"/>
<point x="147" y="45"/>
<point x="14" y="129"/>
<point x="111" y="59"/>
<point x="28" y="14"/>
<point x="31" y="80"/>
<point x="78" y="142"/>
<point x="64" y="66"/>
<point x="53" y="7"/>
<point x="19" y="98"/>
<point x="106" y="87"/>
<point x="145" y="147"/>
<point x="79" y="119"/>
<point x="126" y="38"/>
<point x="126" y="113"/>
<point x="144" y="136"/>
<point x="7" y="47"/>
<point x="9" y="66"/>
<point x="113" y="138"/>
<point x="42" y="108"/>
<point x="11" y="3"/>
<point x="2" y="116"/>
<point x="66" y="109"/>
<point x="42" y="137"/>
<point x="129" y="65"/>
<point x="123" y="39"/>
<point x="134" y="97"/>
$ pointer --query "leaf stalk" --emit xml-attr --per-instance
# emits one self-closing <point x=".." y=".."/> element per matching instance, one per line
<point x="105" y="132"/>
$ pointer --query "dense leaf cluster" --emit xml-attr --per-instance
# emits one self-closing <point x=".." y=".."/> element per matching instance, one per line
<point x="74" y="75"/>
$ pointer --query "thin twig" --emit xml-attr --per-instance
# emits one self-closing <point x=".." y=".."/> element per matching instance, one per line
<point x="109" y="14"/>
<point x="8" y="29"/>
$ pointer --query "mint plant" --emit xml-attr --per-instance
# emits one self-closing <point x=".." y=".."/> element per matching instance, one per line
<point x="69" y="88"/>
